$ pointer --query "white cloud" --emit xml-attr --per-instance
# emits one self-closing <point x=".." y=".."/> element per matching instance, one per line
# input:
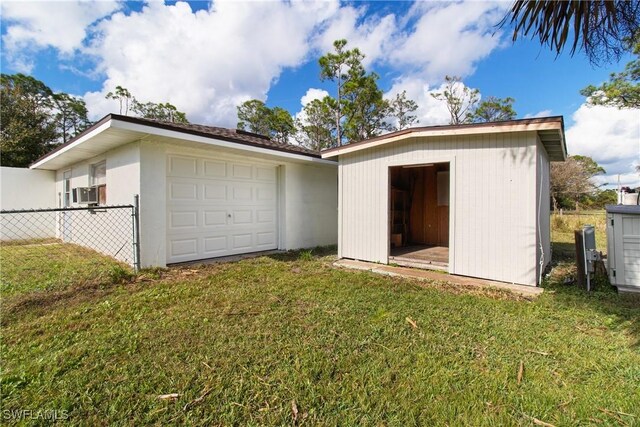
<point x="313" y="94"/>
<point x="373" y="35"/>
<point x="310" y="95"/>
<point x="59" y="24"/>
<point x="611" y="137"/>
<point x="448" y="38"/>
<point x="207" y="62"/>
<point x="433" y="38"/>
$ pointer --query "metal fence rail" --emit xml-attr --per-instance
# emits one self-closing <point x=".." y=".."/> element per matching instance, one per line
<point x="69" y="234"/>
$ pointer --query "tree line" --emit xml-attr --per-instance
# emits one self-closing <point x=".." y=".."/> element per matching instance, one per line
<point x="357" y="109"/>
<point x="35" y="119"/>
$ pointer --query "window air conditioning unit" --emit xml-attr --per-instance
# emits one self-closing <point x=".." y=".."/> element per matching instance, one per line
<point x="85" y="195"/>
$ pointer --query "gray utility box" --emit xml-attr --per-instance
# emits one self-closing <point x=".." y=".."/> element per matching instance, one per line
<point x="623" y="247"/>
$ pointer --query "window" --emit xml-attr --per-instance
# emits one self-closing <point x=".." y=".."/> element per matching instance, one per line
<point x="66" y="189"/>
<point x="98" y="178"/>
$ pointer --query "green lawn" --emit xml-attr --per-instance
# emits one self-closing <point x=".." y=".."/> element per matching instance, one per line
<point x="49" y="265"/>
<point x="290" y="340"/>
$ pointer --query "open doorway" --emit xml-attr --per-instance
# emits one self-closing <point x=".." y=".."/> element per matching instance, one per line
<point x="419" y="215"/>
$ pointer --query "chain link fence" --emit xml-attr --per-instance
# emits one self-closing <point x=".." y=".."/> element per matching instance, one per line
<point x="67" y="240"/>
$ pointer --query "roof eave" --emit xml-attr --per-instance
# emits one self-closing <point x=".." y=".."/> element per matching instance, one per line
<point x="143" y="129"/>
<point x="97" y="128"/>
<point x="555" y="123"/>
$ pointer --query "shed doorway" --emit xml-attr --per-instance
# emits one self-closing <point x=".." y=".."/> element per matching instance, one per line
<point x="419" y="215"/>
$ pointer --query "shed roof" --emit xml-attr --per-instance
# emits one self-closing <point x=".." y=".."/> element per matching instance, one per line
<point x="114" y="130"/>
<point x="550" y="130"/>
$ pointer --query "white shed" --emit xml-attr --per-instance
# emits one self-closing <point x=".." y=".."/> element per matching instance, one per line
<point x="471" y="199"/>
<point x="623" y="247"/>
<point x="205" y="191"/>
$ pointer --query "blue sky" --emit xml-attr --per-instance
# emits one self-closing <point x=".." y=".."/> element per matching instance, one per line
<point x="206" y="58"/>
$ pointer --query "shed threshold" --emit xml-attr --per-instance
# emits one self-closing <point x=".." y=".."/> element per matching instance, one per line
<point x="421" y="256"/>
<point x="432" y="276"/>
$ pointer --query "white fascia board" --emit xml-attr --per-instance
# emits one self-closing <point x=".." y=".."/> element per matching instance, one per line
<point x="443" y="132"/>
<point x="150" y="130"/>
<point x="41" y="164"/>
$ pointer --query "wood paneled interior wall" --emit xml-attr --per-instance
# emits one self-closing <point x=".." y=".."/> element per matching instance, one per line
<point x="428" y="222"/>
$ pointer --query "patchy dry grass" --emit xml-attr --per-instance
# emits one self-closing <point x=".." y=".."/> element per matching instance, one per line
<point x="288" y="339"/>
<point x="563" y="227"/>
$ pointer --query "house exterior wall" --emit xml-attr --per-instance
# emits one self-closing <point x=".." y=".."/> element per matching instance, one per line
<point x="153" y="204"/>
<point x="123" y="174"/>
<point x="307" y="203"/>
<point x="492" y="208"/>
<point x="310" y="206"/>
<point x="27" y="189"/>
<point x="22" y="188"/>
<point x="543" y="211"/>
<point x="123" y="183"/>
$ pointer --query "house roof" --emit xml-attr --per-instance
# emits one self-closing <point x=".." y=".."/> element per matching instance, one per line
<point x="114" y="130"/>
<point x="549" y="129"/>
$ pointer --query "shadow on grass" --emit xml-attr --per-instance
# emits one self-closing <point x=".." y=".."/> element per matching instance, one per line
<point x="622" y="311"/>
<point x="564" y="251"/>
<point x="305" y="254"/>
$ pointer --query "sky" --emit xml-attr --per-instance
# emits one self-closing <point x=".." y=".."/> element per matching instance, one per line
<point x="208" y="57"/>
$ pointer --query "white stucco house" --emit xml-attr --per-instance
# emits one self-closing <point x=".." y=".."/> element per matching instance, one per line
<point x="204" y="191"/>
<point x="470" y="199"/>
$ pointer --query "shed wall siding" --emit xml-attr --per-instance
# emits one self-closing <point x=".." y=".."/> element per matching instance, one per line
<point x="493" y="203"/>
<point x="543" y="203"/>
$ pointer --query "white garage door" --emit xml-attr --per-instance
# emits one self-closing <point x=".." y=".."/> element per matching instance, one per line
<point x="218" y="207"/>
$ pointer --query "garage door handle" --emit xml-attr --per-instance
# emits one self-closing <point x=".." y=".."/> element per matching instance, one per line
<point x="228" y="215"/>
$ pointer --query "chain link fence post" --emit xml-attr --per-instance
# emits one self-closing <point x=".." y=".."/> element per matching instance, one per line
<point x="136" y="232"/>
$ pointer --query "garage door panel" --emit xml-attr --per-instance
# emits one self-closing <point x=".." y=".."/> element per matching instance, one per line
<point x="265" y="174"/>
<point x="242" y="171"/>
<point x="218" y="208"/>
<point x="265" y="216"/>
<point x="242" y="241"/>
<point x="242" y="193"/>
<point x="213" y="218"/>
<point x="215" y="169"/>
<point x="183" y="247"/>
<point x="184" y="219"/>
<point x="215" y="191"/>
<point x="242" y="217"/>
<point x="265" y="194"/>
<point x="266" y="238"/>
<point x="183" y="166"/>
<point x="183" y="191"/>
<point x="214" y="245"/>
